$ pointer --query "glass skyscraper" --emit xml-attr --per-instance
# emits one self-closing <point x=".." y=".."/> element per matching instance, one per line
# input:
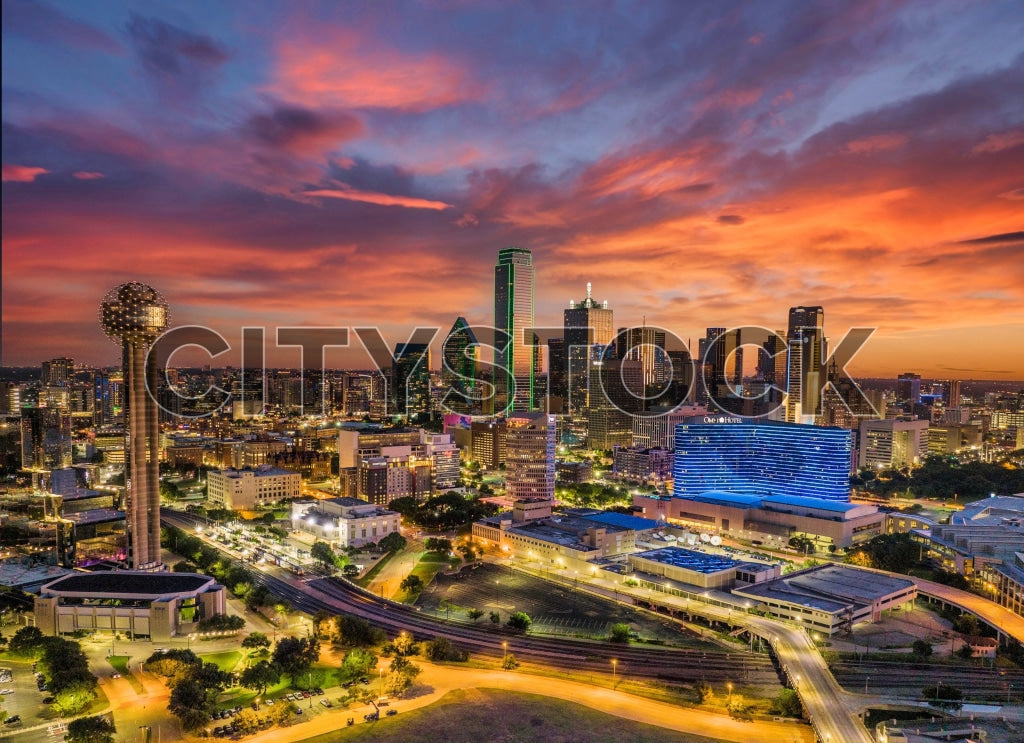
<point x="513" y="314"/>
<point x="725" y="453"/>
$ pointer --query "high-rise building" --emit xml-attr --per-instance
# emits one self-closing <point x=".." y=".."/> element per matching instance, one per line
<point x="807" y="352"/>
<point x="643" y="344"/>
<point x="530" y="456"/>
<point x="588" y="330"/>
<point x="45" y="442"/>
<point x="488" y="445"/>
<point x="558" y="376"/>
<point x="460" y="388"/>
<point x="892" y="443"/>
<point x="57" y="372"/>
<point x="908" y="388"/>
<point x="513" y="314"/>
<point x="133" y="315"/>
<point x="951" y="393"/>
<point x="720" y="452"/>
<point x="411" y="375"/>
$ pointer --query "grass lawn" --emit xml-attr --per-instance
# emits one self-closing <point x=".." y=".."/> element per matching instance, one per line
<point x="120" y="664"/>
<point x="425" y="569"/>
<point x="226" y="660"/>
<point x="372" y="572"/>
<point x="484" y="715"/>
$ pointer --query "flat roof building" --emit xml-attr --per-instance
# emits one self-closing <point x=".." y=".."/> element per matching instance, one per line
<point x="349" y="522"/>
<point x="831" y="598"/>
<point x="155" y="606"/>
<point x="245" y="489"/>
<point x="701" y="569"/>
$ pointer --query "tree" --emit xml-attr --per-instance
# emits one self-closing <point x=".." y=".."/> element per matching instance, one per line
<point x="393" y="542"/>
<point x="72" y="698"/>
<point x="400" y="675"/>
<point x="475" y="614"/>
<point x="261" y="675"/>
<point x="510" y="663"/>
<point x="922" y="648"/>
<point x="320" y="618"/>
<point x="495" y="617"/>
<point x="412" y="583"/>
<point x="438" y="544"/>
<point x="191" y="704"/>
<point x="620" y="632"/>
<point x="704" y="692"/>
<point x="442" y="649"/>
<point x="221" y="623"/>
<point x="405" y="645"/>
<point x="26" y="639"/>
<point x="256" y="640"/>
<point x="357" y="662"/>
<point x="323" y="554"/>
<point x="295" y="655"/>
<point x="519" y="620"/>
<point x="787" y="703"/>
<point x="357" y="632"/>
<point x="91" y="730"/>
<point x="942" y="695"/>
<point x="350" y="571"/>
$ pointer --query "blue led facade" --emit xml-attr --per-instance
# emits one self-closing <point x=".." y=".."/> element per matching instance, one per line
<point x="762" y="459"/>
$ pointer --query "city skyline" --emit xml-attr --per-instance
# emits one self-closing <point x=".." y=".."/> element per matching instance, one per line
<point x="703" y="166"/>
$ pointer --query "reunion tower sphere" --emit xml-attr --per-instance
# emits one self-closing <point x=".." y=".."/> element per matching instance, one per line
<point x="133" y="313"/>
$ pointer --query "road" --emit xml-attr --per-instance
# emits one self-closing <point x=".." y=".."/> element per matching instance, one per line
<point x="442" y="679"/>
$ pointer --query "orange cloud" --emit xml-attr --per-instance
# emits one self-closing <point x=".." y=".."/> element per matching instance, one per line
<point x="21" y="173"/>
<point x="344" y="70"/>
<point x="383" y="199"/>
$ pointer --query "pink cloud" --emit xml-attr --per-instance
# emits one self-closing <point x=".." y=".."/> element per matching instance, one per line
<point x="345" y="70"/>
<point x="21" y="173"/>
<point x="383" y="199"/>
<point x="1000" y="141"/>
<point x="875" y="144"/>
<point x="87" y="175"/>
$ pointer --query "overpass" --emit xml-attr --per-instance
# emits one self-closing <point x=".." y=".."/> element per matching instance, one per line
<point x="1002" y="620"/>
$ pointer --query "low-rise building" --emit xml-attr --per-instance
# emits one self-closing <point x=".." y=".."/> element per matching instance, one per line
<point x="245" y="489"/>
<point x="701" y="569"/>
<point x="771" y="520"/>
<point x="346" y="522"/>
<point x="643" y="465"/>
<point x="156" y="606"/>
<point x="831" y="598"/>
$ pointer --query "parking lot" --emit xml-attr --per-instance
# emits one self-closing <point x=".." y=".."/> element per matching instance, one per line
<point x="21" y="698"/>
<point x="554" y="609"/>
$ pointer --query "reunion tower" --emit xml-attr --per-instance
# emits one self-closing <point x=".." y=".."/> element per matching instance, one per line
<point x="133" y="315"/>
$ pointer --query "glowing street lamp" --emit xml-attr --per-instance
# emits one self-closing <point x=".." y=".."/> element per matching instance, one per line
<point x="504" y="652"/>
<point x="729" y="687"/>
<point x="615" y="664"/>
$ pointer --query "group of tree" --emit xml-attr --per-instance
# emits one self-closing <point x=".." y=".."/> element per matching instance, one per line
<point x="401" y="675"/>
<point x="438" y="544"/>
<point x="787" y="704"/>
<point x="442" y="649"/>
<point x="942" y="478"/>
<point x="202" y="558"/>
<point x="393" y="542"/>
<point x="62" y="663"/>
<point x="296" y="655"/>
<point x="893" y="552"/>
<point x="619" y="633"/>
<point x="194" y="685"/>
<point x="593" y="495"/>
<point x="411" y="583"/>
<point x="98" y="729"/>
<point x="350" y="631"/>
<point x="802" y="544"/>
<point x="221" y="623"/>
<point x="441" y="512"/>
<point x="519" y="620"/>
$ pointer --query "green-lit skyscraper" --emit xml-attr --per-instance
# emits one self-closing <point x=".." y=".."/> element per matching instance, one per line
<point x="513" y="314"/>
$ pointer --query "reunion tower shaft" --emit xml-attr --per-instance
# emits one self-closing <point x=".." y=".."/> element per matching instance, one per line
<point x="134" y="315"/>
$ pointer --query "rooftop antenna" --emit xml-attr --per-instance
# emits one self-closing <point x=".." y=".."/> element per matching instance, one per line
<point x="588" y="290"/>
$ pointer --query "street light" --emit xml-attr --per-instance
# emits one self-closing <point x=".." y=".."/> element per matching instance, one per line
<point x="504" y="653"/>
<point x="615" y="663"/>
<point x="728" y="686"/>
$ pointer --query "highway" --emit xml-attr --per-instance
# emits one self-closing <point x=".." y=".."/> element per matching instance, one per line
<point x="823" y="699"/>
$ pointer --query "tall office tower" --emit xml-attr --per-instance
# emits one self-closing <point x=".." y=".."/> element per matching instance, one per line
<point x="411" y="375"/>
<point x="643" y="344"/>
<point x="762" y="459"/>
<point x="558" y="376"/>
<point x="45" y="443"/>
<point x="461" y="353"/>
<point x="722" y="360"/>
<point x="513" y="314"/>
<point x="806" y="339"/>
<point x="57" y="372"/>
<point x="101" y="409"/>
<point x="588" y="329"/>
<point x="951" y="393"/>
<point x="908" y="388"/>
<point x="616" y="389"/>
<point x="133" y="315"/>
<point x="530" y="456"/>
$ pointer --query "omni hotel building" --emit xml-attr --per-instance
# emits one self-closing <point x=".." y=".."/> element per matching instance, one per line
<point x="764" y="483"/>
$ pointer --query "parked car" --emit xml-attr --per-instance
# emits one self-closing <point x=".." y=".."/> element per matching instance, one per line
<point x="369" y="717"/>
<point x="326" y="703"/>
<point x="391" y="712"/>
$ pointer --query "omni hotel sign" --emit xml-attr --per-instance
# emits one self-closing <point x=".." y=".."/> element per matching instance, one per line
<point x="717" y="419"/>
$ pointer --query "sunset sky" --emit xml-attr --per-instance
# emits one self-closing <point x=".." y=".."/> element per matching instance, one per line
<point x="703" y="164"/>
